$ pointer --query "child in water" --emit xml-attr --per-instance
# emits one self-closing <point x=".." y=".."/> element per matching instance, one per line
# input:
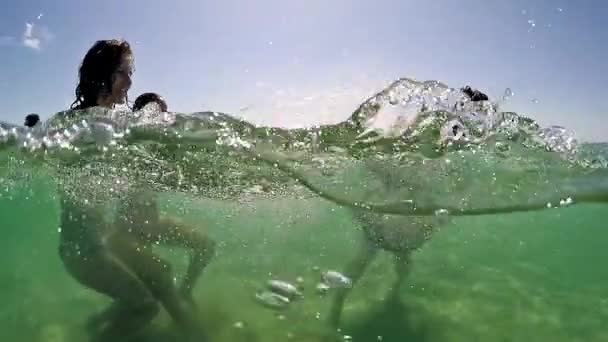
<point x="31" y="120"/>
<point x="139" y="215"/>
<point x="146" y="98"/>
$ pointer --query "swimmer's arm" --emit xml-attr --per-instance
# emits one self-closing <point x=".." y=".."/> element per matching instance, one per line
<point x="171" y="135"/>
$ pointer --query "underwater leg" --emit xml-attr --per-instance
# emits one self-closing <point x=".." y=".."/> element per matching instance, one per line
<point x="402" y="264"/>
<point x="157" y="275"/>
<point x="354" y="270"/>
<point x="134" y="306"/>
<point x="202" y="246"/>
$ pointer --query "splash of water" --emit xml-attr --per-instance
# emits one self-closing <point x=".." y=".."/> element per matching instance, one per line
<point x="418" y="138"/>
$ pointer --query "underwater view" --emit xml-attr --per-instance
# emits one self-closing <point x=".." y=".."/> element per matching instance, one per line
<point x="423" y="210"/>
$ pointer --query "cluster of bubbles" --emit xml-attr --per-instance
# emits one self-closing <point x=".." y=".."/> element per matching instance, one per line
<point x="442" y="115"/>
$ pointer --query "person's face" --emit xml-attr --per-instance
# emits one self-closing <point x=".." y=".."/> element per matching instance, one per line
<point x="121" y="81"/>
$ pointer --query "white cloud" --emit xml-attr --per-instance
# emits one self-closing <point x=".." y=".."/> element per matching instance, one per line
<point x="29" y="40"/>
<point x="34" y="36"/>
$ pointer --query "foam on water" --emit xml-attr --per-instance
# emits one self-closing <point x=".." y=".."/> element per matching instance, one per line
<point x="430" y="138"/>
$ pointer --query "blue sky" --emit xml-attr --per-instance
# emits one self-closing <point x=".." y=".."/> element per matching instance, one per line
<point x="294" y="63"/>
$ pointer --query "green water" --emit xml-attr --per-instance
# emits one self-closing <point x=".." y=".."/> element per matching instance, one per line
<point x="524" y="277"/>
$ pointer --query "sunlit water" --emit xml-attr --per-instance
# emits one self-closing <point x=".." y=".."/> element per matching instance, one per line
<point x="284" y="204"/>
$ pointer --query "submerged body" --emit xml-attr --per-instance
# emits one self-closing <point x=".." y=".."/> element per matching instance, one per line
<point x="399" y="235"/>
<point x="396" y="234"/>
<point x="102" y="253"/>
<point x="111" y="256"/>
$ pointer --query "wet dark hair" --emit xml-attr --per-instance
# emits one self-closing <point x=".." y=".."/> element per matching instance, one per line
<point x="97" y="69"/>
<point x="31" y="120"/>
<point x="142" y="100"/>
<point x="474" y="94"/>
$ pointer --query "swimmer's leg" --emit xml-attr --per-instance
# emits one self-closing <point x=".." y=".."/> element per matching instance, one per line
<point x="134" y="306"/>
<point x="125" y="320"/>
<point x="174" y="233"/>
<point x="157" y="275"/>
<point x="354" y="270"/>
<point x="402" y="264"/>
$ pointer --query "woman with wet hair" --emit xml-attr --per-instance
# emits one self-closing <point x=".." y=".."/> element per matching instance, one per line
<point x="104" y="75"/>
<point x="104" y="256"/>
